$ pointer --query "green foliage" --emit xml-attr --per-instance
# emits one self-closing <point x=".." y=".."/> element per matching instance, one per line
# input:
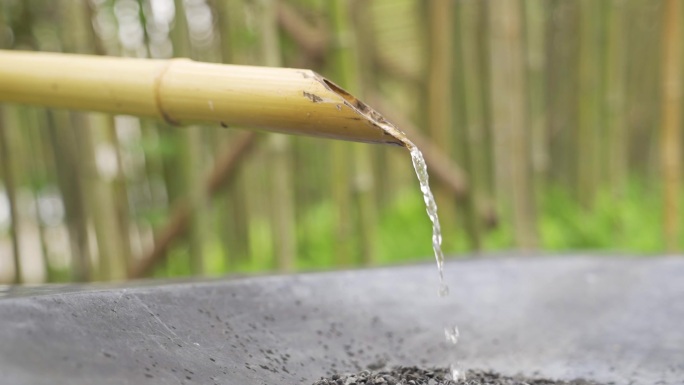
<point x="628" y="223"/>
<point x="405" y="216"/>
<point x="316" y="238"/>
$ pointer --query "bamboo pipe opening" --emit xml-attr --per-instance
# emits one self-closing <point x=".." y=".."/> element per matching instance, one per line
<point x="369" y="113"/>
<point x="181" y="91"/>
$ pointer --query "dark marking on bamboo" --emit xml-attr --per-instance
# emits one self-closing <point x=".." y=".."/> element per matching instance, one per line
<point x="313" y="97"/>
<point x="168" y="119"/>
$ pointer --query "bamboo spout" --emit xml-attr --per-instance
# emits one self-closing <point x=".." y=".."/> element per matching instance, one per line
<point x="181" y="91"/>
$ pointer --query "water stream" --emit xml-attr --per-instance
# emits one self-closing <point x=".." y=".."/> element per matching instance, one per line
<point x="451" y="332"/>
<point x="431" y="208"/>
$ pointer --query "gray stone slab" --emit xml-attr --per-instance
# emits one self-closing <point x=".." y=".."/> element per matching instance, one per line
<point x="607" y="319"/>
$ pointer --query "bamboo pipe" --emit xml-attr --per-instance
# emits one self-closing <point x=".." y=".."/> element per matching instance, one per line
<point x="181" y="91"/>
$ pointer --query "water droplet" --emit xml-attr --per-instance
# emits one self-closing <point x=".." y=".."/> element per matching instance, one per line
<point x="451" y="333"/>
<point x="443" y="290"/>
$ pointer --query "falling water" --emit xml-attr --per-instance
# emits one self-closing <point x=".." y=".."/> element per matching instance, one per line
<point x="430" y="205"/>
<point x="451" y="332"/>
<point x="431" y="208"/>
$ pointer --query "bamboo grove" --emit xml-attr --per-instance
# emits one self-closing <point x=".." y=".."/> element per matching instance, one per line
<point x="546" y="124"/>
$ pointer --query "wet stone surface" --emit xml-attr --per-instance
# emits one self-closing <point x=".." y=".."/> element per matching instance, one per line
<point x="605" y="319"/>
<point x="436" y="376"/>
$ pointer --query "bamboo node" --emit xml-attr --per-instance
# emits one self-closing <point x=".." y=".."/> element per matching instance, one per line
<point x="158" y="84"/>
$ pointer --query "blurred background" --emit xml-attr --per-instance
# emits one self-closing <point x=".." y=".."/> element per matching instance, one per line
<point x="549" y="125"/>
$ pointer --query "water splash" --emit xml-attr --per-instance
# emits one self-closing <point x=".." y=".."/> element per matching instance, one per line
<point x="457" y="374"/>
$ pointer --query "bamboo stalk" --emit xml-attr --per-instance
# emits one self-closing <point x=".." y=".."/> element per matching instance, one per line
<point x="191" y="151"/>
<point x="536" y="103"/>
<point x="179" y="91"/>
<point x="561" y="89"/>
<point x="671" y="136"/>
<point x="10" y="188"/>
<point x="100" y="207"/>
<point x="509" y="121"/>
<point x="589" y="130"/>
<point x="34" y="121"/>
<point x="470" y="18"/>
<point x="615" y="74"/>
<point x="443" y="108"/>
<point x="467" y="122"/>
<point x="234" y="228"/>
<point x="360" y="40"/>
<point x="283" y="223"/>
<point x="68" y="168"/>
<point x="99" y="204"/>
<point x="342" y="64"/>
<point x="104" y="202"/>
<point x="440" y="62"/>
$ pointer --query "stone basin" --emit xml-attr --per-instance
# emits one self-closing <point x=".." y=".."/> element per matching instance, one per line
<point x="603" y="318"/>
